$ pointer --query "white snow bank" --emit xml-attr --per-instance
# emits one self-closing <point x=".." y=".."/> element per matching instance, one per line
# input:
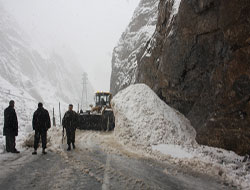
<point x="147" y="124"/>
<point x="175" y="151"/>
<point x="54" y="139"/>
<point x="215" y="161"/>
<point x="142" y="117"/>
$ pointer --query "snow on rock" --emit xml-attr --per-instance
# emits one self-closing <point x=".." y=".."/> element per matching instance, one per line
<point x="175" y="8"/>
<point x="137" y="41"/>
<point x="144" y="119"/>
<point x="133" y="40"/>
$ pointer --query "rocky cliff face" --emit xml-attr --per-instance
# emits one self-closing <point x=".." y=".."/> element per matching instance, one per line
<point x="131" y="43"/>
<point x="198" y="61"/>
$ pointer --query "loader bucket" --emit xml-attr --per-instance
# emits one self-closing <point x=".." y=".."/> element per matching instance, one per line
<point x="97" y="122"/>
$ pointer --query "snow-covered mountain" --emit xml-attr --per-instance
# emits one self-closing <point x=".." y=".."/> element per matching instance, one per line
<point x="28" y="76"/>
<point x="46" y="78"/>
<point x="131" y="43"/>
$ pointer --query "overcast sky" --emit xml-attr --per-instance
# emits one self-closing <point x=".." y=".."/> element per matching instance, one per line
<point x="90" y="28"/>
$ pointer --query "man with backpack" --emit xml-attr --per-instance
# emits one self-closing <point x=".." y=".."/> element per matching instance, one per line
<point x="41" y="123"/>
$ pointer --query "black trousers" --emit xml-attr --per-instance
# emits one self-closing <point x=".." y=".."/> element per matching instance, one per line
<point x="71" y="133"/>
<point x="40" y="135"/>
<point x="10" y="143"/>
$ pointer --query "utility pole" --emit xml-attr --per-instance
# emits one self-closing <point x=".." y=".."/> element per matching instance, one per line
<point x="60" y="113"/>
<point x="84" y="89"/>
<point x="54" y="119"/>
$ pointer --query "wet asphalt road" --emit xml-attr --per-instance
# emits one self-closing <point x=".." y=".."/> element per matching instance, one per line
<point x="92" y="168"/>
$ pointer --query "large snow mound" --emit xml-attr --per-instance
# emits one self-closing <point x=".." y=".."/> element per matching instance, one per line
<point x="141" y="117"/>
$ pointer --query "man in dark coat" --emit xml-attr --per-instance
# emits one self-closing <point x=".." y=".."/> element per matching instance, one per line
<point x="70" y="122"/>
<point x="41" y="123"/>
<point x="10" y="130"/>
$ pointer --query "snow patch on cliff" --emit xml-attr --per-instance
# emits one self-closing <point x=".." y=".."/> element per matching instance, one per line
<point x="132" y="41"/>
<point x="174" y="11"/>
<point x="175" y="8"/>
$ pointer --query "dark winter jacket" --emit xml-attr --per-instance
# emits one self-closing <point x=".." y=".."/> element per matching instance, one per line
<point x="70" y="120"/>
<point x="41" y="120"/>
<point x="10" y="122"/>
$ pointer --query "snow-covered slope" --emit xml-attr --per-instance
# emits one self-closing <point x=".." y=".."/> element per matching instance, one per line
<point x="135" y="37"/>
<point x="29" y="76"/>
<point x="25" y="106"/>
<point x="45" y="77"/>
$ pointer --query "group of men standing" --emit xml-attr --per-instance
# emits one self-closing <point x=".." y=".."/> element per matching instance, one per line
<point x="41" y="124"/>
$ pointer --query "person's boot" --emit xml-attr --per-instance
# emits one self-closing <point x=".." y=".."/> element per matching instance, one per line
<point x="73" y="144"/>
<point x="44" y="152"/>
<point x="15" y="151"/>
<point x="34" y="153"/>
<point x="69" y="148"/>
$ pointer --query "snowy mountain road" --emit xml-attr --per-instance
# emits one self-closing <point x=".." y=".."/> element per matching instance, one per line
<point x="92" y="167"/>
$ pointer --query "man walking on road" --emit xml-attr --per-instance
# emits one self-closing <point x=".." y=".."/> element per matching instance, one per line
<point x="41" y="123"/>
<point x="10" y="130"/>
<point x="70" y="122"/>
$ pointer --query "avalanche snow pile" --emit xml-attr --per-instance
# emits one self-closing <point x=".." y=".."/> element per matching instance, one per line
<point x="147" y="124"/>
<point x="143" y="118"/>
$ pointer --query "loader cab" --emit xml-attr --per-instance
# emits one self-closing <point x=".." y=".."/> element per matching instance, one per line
<point x="103" y="99"/>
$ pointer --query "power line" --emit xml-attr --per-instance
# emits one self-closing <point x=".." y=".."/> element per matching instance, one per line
<point x="9" y="93"/>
